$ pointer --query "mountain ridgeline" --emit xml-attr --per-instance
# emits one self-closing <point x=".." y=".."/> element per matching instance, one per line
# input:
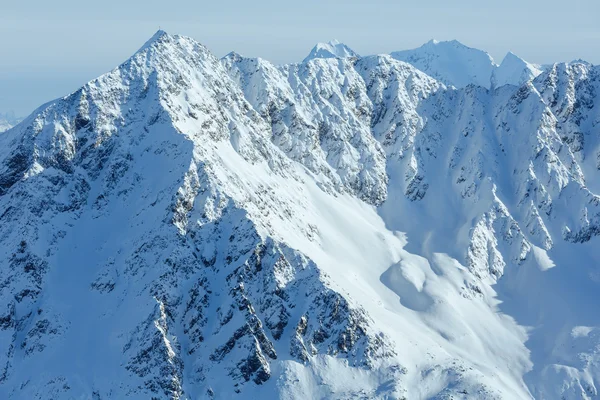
<point x="416" y="225"/>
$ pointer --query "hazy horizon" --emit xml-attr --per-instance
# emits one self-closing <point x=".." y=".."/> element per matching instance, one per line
<point x="50" y="50"/>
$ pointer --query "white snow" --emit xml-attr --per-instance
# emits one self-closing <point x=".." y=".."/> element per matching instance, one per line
<point x="542" y="259"/>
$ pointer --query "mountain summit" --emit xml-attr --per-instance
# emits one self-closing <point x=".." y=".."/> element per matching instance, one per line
<point x="458" y="65"/>
<point x="450" y="62"/>
<point x="514" y="71"/>
<point x="185" y="227"/>
<point x="331" y="49"/>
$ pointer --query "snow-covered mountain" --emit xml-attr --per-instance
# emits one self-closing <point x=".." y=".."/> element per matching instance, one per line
<point x="8" y="120"/>
<point x="458" y="65"/>
<point x="331" y="49"/>
<point x="513" y="70"/>
<point x="186" y="227"/>
<point x="450" y="62"/>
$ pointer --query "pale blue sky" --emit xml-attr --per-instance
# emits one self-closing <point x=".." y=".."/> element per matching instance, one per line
<point x="50" y="48"/>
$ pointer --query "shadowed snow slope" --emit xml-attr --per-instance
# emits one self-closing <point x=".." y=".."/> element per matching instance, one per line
<point x="185" y="227"/>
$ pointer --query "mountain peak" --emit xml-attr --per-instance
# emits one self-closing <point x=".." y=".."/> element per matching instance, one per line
<point x="233" y="55"/>
<point x="446" y="43"/>
<point x="512" y="57"/>
<point x="451" y="62"/>
<point x="459" y="65"/>
<point x="332" y="49"/>
<point x="158" y="36"/>
<point x="164" y="50"/>
<point x="514" y="70"/>
<point x="159" y="33"/>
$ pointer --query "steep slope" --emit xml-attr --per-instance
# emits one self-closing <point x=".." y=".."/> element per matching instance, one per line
<point x="318" y="114"/>
<point x="518" y="197"/>
<point x="570" y="90"/>
<point x="188" y="227"/>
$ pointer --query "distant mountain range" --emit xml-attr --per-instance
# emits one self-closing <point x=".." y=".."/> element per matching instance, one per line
<point x="458" y="65"/>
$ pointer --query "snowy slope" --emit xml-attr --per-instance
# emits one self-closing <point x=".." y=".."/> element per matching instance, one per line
<point x="185" y="227"/>
<point x="331" y="49"/>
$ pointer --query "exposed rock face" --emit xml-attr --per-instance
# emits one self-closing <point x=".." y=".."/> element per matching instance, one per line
<point x="188" y="227"/>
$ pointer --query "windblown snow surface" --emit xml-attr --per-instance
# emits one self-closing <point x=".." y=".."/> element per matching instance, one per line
<point x="185" y="227"/>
